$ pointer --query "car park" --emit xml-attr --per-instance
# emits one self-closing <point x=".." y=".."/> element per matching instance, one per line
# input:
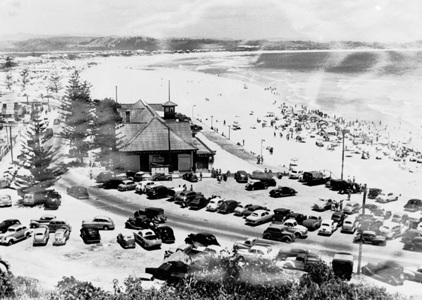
<point x="351" y="207"/>
<point x="413" y="205"/>
<point x="61" y="236"/>
<point x="214" y="203"/>
<point x="202" y="239"/>
<point x="328" y="227"/>
<point x="126" y="185"/>
<point x="126" y="240"/>
<point x="191" y="177"/>
<point x="41" y="236"/>
<point x="370" y="237"/>
<point x="282" y="191"/>
<point x="259" y="217"/>
<point x="253" y="185"/>
<point x="241" y="176"/>
<point x="100" y="222"/>
<point x="78" y="192"/>
<point x="312" y="223"/>
<point x="5" y="200"/>
<point x="227" y="207"/>
<point x="161" y="177"/>
<point x="4" y="225"/>
<point x="322" y="204"/>
<point x="90" y="235"/>
<point x="385" y="198"/>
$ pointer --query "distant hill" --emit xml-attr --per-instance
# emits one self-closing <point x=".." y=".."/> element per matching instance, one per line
<point x="20" y="43"/>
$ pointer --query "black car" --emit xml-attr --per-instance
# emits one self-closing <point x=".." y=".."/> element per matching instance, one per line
<point x="198" y="202"/>
<point x="413" y="205"/>
<point x="241" y="176"/>
<point x="251" y="209"/>
<point x="415" y="244"/>
<point x="203" y="239"/>
<point x="104" y="176"/>
<point x="172" y="271"/>
<point x="52" y="203"/>
<point x="112" y="183"/>
<point x="281" y="214"/>
<point x="256" y="185"/>
<point x="157" y="192"/>
<point x="338" y="217"/>
<point x="7" y="223"/>
<point x="227" y="206"/>
<point x="161" y="177"/>
<point x="298" y="217"/>
<point x="278" y="233"/>
<point x="409" y="235"/>
<point x="282" y="191"/>
<point x="389" y="271"/>
<point x="90" y="235"/>
<point x="78" y="192"/>
<point x="166" y="234"/>
<point x="190" y="177"/>
<point x="373" y="193"/>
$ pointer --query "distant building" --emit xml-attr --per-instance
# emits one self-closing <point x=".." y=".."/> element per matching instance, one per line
<point x="152" y="137"/>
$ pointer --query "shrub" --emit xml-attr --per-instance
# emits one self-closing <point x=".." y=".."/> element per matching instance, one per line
<point x="70" y="288"/>
<point x="7" y="288"/>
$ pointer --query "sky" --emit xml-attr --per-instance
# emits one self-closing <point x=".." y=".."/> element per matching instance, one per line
<point x="316" y="20"/>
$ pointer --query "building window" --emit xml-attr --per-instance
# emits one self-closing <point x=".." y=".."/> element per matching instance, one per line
<point x="127" y="116"/>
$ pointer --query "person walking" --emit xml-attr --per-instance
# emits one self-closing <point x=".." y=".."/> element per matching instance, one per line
<point x="200" y="176"/>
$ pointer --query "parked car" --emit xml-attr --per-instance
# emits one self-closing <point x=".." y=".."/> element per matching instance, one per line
<point x="414" y="244"/>
<point x="280" y="215"/>
<point x="413" y="205"/>
<point x="61" y="236"/>
<point x="190" y="177"/>
<point x="157" y="192"/>
<point x="126" y="185"/>
<point x="370" y="237"/>
<point x="199" y="202"/>
<point x="166" y="234"/>
<point x="126" y="240"/>
<point x="414" y="274"/>
<point x="338" y="217"/>
<point x="300" y="218"/>
<point x="240" y="208"/>
<point x="400" y="217"/>
<point x="5" y="200"/>
<point x="202" y="239"/>
<point x="409" y="235"/>
<point x="78" y="192"/>
<point x="259" y="217"/>
<point x="350" y="225"/>
<point x="14" y="234"/>
<point x="185" y="197"/>
<point x="44" y="219"/>
<point x="294" y="174"/>
<point x="282" y="191"/>
<point x="227" y="206"/>
<point x="90" y="235"/>
<point x="241" y="176"/>
<point x="147" y="239"/>
<point x="41" y="236"/>
<point x="328" y="227"/>
<point x="312" y="223"/>
<point x="139" y="176"/>
<point x="389" y="272"/>
<point x="100" y="222"/>
<point x="255" y="185"/>
<point x="278" y="232"/>
<point x="113" y="183"/>
<point x="214" y="203"/>
<point x="104" y="176"/>
<point x="343" y="265"/>
<point x="253" y="208"/>
<point x="322" y="204"/>
<point x="385" y="198"/>
<point x="4" y="225"/>
<point x="392" y="230"/>
<point x="373" y="193"/>
<point x="144" y="185"/>
<point x="161" y="177"/>
<point x="351" y="207"/>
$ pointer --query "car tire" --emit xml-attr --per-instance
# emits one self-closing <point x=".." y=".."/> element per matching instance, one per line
<point x="267" y="236"/>
<point x="10" y="243"/>
<point x="105" y="227"/>
<point x="298" y="235"/>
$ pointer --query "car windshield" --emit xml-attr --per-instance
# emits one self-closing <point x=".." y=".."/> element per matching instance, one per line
<point x="40" y="233"/>
<point x="11" y="229"/>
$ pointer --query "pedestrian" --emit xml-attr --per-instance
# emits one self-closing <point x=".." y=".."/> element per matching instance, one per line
<point x="184" y="187"/>
<point x="200" y="176"/>
<point x="262" y="159"/>
<point x="274" y="133"/>
<point x="219" y="178"/>
<point x="348" y="194"/>
<point x="341" y="205"/>
<point x="219" y="171"/>
<point x="225" y="177"/>
<point x="90" y="173"/>
<point x="258" y="159"/>
<point x="191" y="187"/>
<point x="265" y="170"/>
<point x="243" y="143"/>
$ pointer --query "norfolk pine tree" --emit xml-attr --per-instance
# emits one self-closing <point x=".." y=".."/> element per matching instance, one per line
<point x="78" y="115"/>
<point x="54" y="84"/>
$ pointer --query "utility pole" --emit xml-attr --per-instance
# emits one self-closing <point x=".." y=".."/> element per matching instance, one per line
<point x="342" y="155"/>
<point x="361" y="243"/>
<point x="211" y="122"/>
<point x="229" y="131"/>
<point x="116" y="94"/>
<point x="262" y="140"/>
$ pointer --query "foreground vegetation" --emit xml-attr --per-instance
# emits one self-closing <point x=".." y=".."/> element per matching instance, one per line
<point x="218" y="279"/>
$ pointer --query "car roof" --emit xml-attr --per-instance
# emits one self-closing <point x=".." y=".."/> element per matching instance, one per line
<point x="258" y="211"/>
<point x="104" y="217"/>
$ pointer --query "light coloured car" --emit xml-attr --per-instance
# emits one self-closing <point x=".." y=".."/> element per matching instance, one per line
<point x="322" y="204"/>
<point x="61" y="236"/>
<point x="295" y="174"/>
<point x="100" y="222"/>
<point x="385" y="198"/>
<point x="240" y="209"/>
<point x="350" y="224"/>
<point x="127" y="185"/>
<point x="214" y="204"/>
<point x="147" y="239"/>
<point x="328" y="227"/>
<point x="351" y="207"/>
<point x="5" y="200"/>
<point x="259" y="216"/>
<point x="15" y="233"/>
<point x="41" y="235"/>
<point x="142" y="186"/>
<point x="391" y="230"/>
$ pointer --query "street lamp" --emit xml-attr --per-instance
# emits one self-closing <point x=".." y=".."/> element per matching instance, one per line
<point x="229" y="131"/>
<point x="262" y="140"/>
<point x="343" y="131"/>
<point x="192" y="109"/>
<point x="211" y="121"/>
